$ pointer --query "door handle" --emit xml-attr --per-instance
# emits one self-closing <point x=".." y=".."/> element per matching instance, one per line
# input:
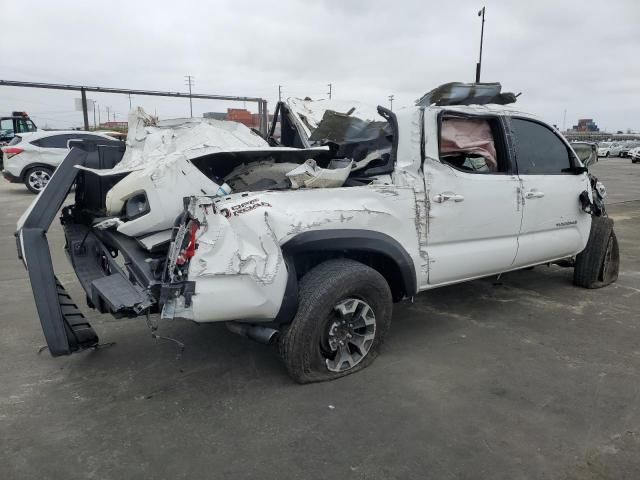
<point x="443" y="197"/>
<point x="533" y="194"/>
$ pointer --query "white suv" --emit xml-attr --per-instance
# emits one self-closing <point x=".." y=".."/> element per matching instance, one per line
<point x="31" y="158"/>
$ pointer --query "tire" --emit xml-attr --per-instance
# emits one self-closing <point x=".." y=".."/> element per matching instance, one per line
<point x="606" y="155"/>
<point x="599" y="263"/>
<point x="310" y="346"/>
<point x="37" y="178"/>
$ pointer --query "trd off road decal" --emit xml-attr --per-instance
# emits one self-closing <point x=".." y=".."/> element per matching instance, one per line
<point x="245" y="207"/>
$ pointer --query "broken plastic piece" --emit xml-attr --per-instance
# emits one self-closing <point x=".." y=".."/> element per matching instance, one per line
<point x="309" y="175"/>
<point x="458" y="93"/>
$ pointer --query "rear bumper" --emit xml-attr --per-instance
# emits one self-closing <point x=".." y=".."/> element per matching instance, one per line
<point x="11" y="177"/>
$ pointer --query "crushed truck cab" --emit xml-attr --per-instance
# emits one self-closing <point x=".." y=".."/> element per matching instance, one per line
<point x="307" y="237"/>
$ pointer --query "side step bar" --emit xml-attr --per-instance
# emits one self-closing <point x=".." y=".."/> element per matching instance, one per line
<point x="65" y="328"/>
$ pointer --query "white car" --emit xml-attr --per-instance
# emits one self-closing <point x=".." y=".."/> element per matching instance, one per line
<point x="609" y="149"/>
<point x="31" y="158"/>
<point x="310" y="239"/>
<point x="634" y="154"/>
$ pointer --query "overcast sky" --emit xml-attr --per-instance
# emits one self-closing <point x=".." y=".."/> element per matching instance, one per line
<point x="579" y="56"/>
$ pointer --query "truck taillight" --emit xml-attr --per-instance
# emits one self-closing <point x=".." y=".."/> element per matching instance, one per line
<point x="11" y="151"/>
<point x="190" y="250"/>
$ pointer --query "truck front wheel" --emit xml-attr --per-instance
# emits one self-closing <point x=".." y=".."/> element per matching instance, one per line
<point x="343" y="316"/>
<point x="598" y="264"/>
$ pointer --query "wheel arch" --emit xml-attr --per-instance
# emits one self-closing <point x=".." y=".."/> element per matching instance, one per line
<point x="28" y="167"/>
<point x="375" y="249"/>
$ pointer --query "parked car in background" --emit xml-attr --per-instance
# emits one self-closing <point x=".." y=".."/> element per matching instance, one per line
<point x="627" y="147"/>
<point x="634" y="153"/>
<point x="610" y="149"/>
<point x="16" y="123"/>
<point x="31" y="158"/>
<point x="604" y="149"/>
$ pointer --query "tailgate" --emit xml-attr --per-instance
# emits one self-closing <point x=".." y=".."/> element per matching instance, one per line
<point x="65" y="328"/>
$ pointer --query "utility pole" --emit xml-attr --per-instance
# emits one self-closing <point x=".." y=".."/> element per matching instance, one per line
<point x="479" y="64"/>
<point x="108" y="115"/>
<point x="279" y="93"/>
<point x="564" y="119"/>
<point x="129" y="101"/>
<point x="329" y="85"/>
<point x="95" y="126"/>
<point x="189" y="80"/>
<point x="391" y="102"/>
<point x="99" y="121"/>
<point x="85" y="113"/>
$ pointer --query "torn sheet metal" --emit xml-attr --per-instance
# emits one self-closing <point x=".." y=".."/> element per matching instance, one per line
<point x="153" y="143"/>
<point x="240" y="237"/>
<point x="310" y="113"/>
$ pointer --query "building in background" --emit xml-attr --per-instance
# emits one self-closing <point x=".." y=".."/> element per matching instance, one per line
<point x="240" y="115"/>
<point x="585" y="125"/>
<point x="119" y="126"/>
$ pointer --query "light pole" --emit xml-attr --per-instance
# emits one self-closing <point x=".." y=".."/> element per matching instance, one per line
<point x="330" y="85"/>
<point x="279" y="93"/>
<point x="391" y="102"/>
<point x="479" y="64"/>
<point x="189" y="79"/>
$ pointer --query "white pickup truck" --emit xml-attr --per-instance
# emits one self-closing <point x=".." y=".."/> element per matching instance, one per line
<point x="307" y="239"/>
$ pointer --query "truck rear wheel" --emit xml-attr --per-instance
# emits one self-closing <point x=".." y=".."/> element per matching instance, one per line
<point x="343" y="316"/>
<point x="598" y="264"/>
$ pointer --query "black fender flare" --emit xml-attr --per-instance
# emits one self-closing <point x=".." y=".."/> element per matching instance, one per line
<point x="357" y="240"/>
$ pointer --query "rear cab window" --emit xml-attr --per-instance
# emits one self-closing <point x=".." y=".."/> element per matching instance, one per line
<point x="539" y="150"/>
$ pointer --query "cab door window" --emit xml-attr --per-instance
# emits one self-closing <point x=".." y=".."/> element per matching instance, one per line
<point x="472" y="145"/>
<point x="538" y="150"/>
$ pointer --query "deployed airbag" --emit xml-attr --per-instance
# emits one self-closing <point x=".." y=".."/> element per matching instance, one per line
<point x="468" y="136"/>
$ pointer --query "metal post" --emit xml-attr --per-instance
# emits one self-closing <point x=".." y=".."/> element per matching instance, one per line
<point x="329" y="85"/>
<point x="99" y="121"/>
<point x="479" y="64"/>
<point x="279" y="93"/>
<point x="94" y="116"/>
<point x="85" y="113"/>
<point x="391" y="102"/>
<point x="189" y="79"/>
<point x="265" y="114"/>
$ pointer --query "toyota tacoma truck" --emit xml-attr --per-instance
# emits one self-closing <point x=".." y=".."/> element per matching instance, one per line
<point x="307" y="239"/>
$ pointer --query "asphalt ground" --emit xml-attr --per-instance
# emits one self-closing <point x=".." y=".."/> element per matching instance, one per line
<point x="522" y="377"/>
